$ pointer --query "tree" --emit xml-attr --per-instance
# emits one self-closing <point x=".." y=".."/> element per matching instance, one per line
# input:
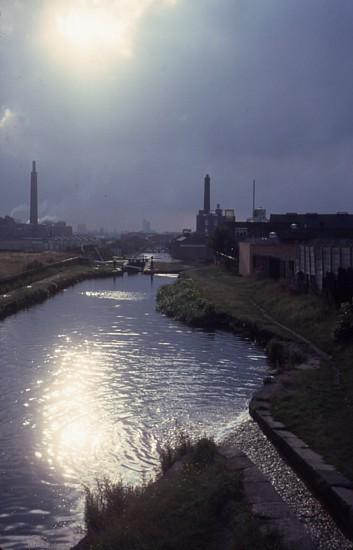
<point x="222" y="240"/>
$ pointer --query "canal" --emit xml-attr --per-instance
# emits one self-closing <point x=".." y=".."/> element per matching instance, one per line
<point x="92" y="382"/>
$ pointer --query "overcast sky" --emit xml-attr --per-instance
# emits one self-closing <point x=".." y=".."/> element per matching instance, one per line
<point x="127" y="104"/>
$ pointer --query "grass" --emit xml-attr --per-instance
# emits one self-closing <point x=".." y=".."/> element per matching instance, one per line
<point x="318" y="405"/>
<point x="42" y="264"/>
<point x="240" y="296"/>
<point x="306" y="314"/>
<point x="184" y="302"/>
<point x="188" y="508"/>
<point x="170" y="267"/>
<point x="12" y="263"/>
<point x="319" y="409"/>
<point x="202" y="452"/>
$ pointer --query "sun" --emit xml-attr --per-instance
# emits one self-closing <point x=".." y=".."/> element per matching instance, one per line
<point x="97" y="31"/>
<point x="87" y="35"/>
<point x="91" y="33"/>
<point x="87" y="30"/>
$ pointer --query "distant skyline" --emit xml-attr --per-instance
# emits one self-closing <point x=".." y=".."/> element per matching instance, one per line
<point x="127" y="104"/>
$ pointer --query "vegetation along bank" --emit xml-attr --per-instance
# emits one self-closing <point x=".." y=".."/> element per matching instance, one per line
<point x="203" y="498"/>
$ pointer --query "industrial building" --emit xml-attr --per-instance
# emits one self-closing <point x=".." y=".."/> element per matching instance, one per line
<point x="321" y="259"/>
<point x="207" y="220"/>
<point x="191" y="246"/>
<point x="269" y="258"/>
<point x="195" y="245"/>
<point x="33" y="235"/>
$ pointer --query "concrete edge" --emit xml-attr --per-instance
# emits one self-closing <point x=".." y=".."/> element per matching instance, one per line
<point x="273" y="514"/>
<point x="332" y="488"/>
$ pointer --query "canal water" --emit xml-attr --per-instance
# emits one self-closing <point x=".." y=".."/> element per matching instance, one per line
<point x="92" y="381"/>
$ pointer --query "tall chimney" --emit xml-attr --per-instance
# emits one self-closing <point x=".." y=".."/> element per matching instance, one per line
<point x="33" y="217"/>
<point x="206" y="200"/>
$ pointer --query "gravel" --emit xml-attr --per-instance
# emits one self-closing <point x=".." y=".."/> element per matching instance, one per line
<point x="318" y="523"/>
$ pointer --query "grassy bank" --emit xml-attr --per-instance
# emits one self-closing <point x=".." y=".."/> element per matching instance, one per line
<point x="170" y="267"/>
<point x="241" y="297"/>
<point x="317" y="404"/>
<point x="12" y="263"/>
<point x="184" y="302"/>
<point x="210" y="297"/>
<point x="197" y="504"/>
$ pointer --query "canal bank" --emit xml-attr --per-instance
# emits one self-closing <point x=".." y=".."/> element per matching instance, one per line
<point x="210" y="295"/>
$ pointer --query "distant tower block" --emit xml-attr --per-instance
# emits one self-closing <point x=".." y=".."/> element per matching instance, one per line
<point x="33" y="217"/>
<point x="207" y="199"/>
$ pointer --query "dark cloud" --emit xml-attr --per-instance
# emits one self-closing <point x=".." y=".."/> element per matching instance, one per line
<point x="240" y="89"/>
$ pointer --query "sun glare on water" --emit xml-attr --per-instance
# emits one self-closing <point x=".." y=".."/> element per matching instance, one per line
<point x="91" y="33"/>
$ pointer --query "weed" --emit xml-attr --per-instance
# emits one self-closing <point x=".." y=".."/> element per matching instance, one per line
<point x="183" y="302"/>
<point x="187" y="510"/>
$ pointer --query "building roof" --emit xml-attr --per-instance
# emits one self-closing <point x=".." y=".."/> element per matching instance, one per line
<point x="315" y="220"/>
<point x="330" y="242"/>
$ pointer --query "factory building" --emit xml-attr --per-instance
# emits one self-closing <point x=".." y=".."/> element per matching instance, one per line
<point x="206" y="220"/>
<point x="32" y="235"/>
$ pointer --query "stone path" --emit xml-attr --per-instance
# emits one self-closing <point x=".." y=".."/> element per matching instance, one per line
<point x="249" y="438"/>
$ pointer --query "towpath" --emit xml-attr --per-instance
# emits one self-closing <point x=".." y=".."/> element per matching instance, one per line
<point x="325" y="534"/>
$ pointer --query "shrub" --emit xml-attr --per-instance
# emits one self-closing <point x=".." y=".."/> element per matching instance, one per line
<point x="343" y="331"/>
<point x="34" y="264"/>
<point x="282" y="353"/>
<point x="106" y="501"/>
<point x="277" y="351"/>
<point x="202" y="451"/>
<point x="188" y="510"/>
<point x="183" y="511"/>
<point x="183" y="302"/>
<point x="296" y="355"/>
<point x="169" y="454"/>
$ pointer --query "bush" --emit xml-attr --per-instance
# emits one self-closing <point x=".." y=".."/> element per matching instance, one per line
<point x="282" y="353"/>
<point x="344" y="326"/>
<point x="183" y="302"/>
<point x="183" y="511"/>
<point x="296" y="355"/>
<point x="190" y="509"/>
<point x="169" y="454"/>
<point x="202" y="451"/>
<point x="276" y="350"/>
<point x="107" y="501"/>
<point x="35" y="264"/>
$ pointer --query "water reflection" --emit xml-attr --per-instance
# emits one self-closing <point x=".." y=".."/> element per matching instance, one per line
<point x="73" y="425"/>
<point x="91" y="389"/>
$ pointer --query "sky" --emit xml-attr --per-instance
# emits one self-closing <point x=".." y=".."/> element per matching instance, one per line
<point x="127" y="104"/>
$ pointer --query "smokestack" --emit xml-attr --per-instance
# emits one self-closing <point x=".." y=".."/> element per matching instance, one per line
<point x="207" y="200"/>
<point x="33" y="216"/>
